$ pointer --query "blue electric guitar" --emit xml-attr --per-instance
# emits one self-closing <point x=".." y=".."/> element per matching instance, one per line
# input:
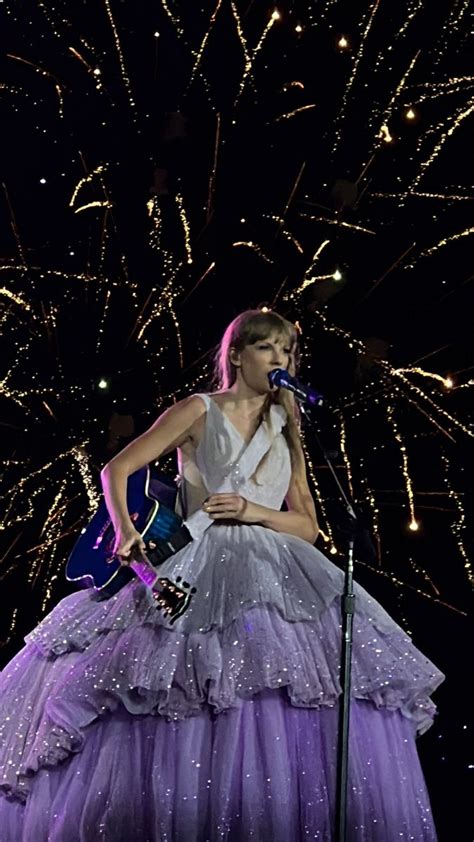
<point x="150" y="503"/>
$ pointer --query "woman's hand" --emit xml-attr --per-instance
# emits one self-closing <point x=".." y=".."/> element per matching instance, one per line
<point x="126" y="541"/>
<point x="230" y="507"/>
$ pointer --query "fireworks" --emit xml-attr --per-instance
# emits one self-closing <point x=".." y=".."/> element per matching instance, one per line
<point x="106" y="277"/>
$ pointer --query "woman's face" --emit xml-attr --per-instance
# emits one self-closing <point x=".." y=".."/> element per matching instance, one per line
<point x="257" y="360"/>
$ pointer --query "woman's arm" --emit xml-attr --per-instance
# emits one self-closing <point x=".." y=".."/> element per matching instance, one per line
<point x="299" y="520"/>
<point x="172" y="429"/>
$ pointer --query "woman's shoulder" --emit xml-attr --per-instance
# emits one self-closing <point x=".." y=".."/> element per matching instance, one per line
<point x="189" y="408"/>
<point x="219" y="397"/>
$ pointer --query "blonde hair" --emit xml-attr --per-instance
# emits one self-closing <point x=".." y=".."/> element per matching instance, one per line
<point x="254" y="326"/>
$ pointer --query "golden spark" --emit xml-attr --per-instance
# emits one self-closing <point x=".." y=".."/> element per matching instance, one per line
<point x="240" y="33"/>
<point x="249" y="64"/>
<point x="118" y="47"/>
<point x="343" y="446"/>
<point x="86" y="180"/>
<point x="413" y="525"/>
<point x="441" y="244"/>
<point x="96" y="204"/>
<point x="338" y="222"/>
<point x="459" y="117"/>
<point x="212" y="177"/>
<point x="57" y="84"/>
<point x="93" y="71"/>
<point x="15" y="298"/>
<point x="200" y="52"/>
<point x="256" y="248"/>
<point x="455" y="197"/>
<point x="389" y="109"/>
<point x="292" y="113"/>
<point x="352" y="77"/>
<point x="458" y="528"/>
<point x="185" y="224"/>
<point x="308" y="277"/>
<point x="284" y="231"/>
<point x="80" y="455"/>
<point x="446" y="381"/>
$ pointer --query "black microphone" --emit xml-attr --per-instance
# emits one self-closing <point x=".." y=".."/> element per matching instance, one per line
<point x="283" y="380"/>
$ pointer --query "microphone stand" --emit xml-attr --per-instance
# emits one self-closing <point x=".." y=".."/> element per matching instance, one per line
<point x="347" y="611"/>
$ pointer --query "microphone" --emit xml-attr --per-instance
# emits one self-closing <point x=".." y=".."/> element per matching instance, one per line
<point x="283" y="380"/>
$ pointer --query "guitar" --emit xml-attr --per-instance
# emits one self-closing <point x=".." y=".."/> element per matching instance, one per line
<point x="150" y="502"/>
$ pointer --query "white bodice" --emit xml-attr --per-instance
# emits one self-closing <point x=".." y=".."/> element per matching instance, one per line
<point x="224" y="462"/>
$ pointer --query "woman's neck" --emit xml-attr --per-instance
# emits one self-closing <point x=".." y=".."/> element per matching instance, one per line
<point x="246" y="400"/>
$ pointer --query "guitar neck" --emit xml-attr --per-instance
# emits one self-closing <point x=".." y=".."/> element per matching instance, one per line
<point x="144" y="571"/>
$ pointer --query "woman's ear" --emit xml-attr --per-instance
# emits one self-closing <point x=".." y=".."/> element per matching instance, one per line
<point x="234" y="357"/>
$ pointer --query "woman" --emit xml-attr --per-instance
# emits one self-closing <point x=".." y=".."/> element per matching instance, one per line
<point x="118" y="727"/>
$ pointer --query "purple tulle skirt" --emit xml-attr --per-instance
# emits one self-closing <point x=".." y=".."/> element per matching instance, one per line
<point x="264" y="770"/>
<point x="116" y="728"/>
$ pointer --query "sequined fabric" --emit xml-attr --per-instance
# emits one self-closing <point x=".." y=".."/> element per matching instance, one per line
<point x="115" y="726"/>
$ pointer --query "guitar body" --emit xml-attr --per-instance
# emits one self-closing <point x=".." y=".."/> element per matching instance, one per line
<point x="150" y="503"/>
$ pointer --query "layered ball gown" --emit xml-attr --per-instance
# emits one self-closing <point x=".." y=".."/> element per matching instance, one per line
<point x="118" y="727"/>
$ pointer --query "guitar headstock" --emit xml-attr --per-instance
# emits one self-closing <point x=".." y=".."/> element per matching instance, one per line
<point x="173" y="598"/>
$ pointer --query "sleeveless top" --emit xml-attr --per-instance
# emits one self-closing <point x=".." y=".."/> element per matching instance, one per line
<point x="224" y="462"/>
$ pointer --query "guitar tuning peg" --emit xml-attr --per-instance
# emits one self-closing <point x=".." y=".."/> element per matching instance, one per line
<point x="178" y="578"/>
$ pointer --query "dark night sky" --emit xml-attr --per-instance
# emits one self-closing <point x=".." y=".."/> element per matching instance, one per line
<point x="248" y="174"/>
